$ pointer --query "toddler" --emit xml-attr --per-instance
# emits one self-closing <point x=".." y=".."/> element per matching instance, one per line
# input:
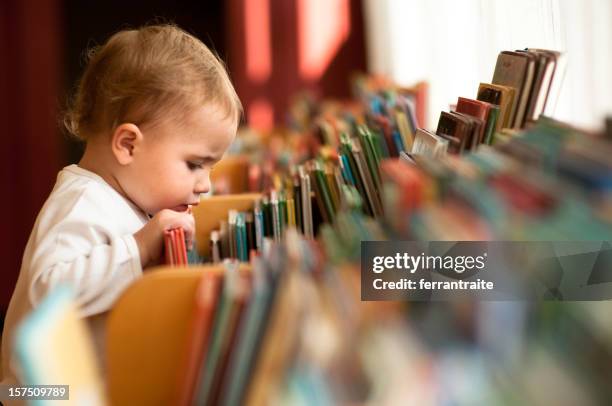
<point x="156" y="110"/>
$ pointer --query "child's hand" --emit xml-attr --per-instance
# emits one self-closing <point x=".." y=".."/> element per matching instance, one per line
<point x="150" y="238"/>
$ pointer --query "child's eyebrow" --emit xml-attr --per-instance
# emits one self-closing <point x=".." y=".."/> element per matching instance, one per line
<point x="204" y="159"/>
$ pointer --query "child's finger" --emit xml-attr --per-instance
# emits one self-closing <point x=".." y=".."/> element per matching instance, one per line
<point x="189" y="229"/>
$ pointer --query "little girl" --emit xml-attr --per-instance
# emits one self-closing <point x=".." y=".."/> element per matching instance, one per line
<point x="156" y="109"/>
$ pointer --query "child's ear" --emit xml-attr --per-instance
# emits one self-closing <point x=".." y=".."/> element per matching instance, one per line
<point x="126" y="138"/>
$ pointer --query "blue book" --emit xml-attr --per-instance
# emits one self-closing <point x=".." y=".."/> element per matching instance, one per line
<point x="259" y="225"/>
<point x="241" y="237"/>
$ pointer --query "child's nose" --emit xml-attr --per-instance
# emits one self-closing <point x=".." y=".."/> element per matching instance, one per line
<point x="202" y="185"/>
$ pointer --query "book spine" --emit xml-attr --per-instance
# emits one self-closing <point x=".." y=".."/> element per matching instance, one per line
<point x="232" y="234"/>
<point x="276" y="226"/>
<point x="291" y="212"/>
<point x="297" y="198"/>
<point x="282" y="211"/>
<point x="241" y="238"/>
<point x="267" y="216"/>
<point x="306" y="203"/>
<point x="224" y="239"/>
<point x="250" y="231"/>
<point x="259" y="226"/>
<point x="215" y="248"/>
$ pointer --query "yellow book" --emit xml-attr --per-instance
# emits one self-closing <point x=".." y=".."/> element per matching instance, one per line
<point x="502" y="96"/>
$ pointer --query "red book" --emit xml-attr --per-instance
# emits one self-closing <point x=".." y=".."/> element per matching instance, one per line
<point x="168" y="252"/>
<point x="180" y="237"/>
<point x="474" y="108"/>
<point x="410" y="180"/>
<point x="198" y="338"/>
<point x="174" y="247"/>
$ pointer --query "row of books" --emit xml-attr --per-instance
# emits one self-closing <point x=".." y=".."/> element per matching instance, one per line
<point x="340" y="147"/>
<point x="521" y="87"/>
<point x="313" y="194"/>
<point x="294" y="331"/>
<point x="487" y="194"/>
<point x="328" y="163"/>
<point x="241" y="335"/>
<point x="550" y="181"/>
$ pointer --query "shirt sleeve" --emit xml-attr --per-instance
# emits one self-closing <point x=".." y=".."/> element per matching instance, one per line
<point x="98" y="265"/>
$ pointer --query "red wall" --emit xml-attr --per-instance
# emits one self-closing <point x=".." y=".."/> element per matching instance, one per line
<point x="29" y="151"/>
<point x="284" y="80"/>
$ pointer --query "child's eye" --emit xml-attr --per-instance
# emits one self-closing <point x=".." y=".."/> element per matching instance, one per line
<point x="193" y="166"/>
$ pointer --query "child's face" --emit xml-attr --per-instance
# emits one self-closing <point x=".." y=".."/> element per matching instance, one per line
<point x="172" y="164"/>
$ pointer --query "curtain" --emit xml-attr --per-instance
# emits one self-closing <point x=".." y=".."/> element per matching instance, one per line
<point x="453" y="44"/>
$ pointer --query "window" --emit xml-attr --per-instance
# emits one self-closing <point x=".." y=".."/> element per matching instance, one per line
<point x="454" y="45"/>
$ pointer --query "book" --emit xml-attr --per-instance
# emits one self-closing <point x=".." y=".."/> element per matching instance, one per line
<point x="503" y="96"/>
<point x="347" y="151"/>
<point x="227" y="311"/>
<point x="297" y="201"/>
<point x="492" y="120"/>
<point x="252" y="326"/>
<point x="175" y="251"/>
<point x="259" y="225"/>
<point x="405" y="130"/>
<point x="551" y="65"/>
<point x="215" y="247"/>
<point x="305" y="191"/>
<point x="200" y="334"/>
<point x="231" y="222"/>
<point x="276" y="216"/>
<point x="249" y="220"/>
<point x="428" y="143"/>
<point x="475" y="129"/>
<point x="477" y="109"/>
<point x="241" y="237"/>
<point x="516" y="70"/>
<point x="364" y="174"/>
<point x="278" y="338"/>
<point x="457" y="127"/>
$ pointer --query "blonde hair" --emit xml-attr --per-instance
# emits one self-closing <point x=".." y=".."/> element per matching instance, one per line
<point x="139" y="73"/>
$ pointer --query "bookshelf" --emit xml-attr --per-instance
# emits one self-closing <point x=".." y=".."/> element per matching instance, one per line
<point x="147" y="333"/>
<point x="212" y="210"/>
<point x="316" y="339"/>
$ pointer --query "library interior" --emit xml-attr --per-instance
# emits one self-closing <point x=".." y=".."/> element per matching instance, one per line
<point x="412" y="206"/>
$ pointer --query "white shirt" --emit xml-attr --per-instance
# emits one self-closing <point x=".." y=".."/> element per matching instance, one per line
<point x="83" y="236"/>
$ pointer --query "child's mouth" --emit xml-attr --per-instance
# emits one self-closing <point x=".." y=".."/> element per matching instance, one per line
<point x="180" y="208"/>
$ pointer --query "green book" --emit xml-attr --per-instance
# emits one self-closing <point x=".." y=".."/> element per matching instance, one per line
<point x="352" y="166"/>
<point x="282" y="209"/>
<point x="241" y="238"/>
<point x="252" y="324"/>
<point x="368" y="151"/>
<point x="219" y="335"/>
<point x="491" y="123"/>
<point x="266" y="209"/>
<point x="325" y="190"/>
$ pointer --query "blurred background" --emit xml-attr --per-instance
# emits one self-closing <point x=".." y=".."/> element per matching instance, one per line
<point x="275" y="49"/>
